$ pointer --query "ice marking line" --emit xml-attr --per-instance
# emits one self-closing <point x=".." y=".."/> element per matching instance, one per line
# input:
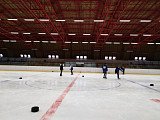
<point x="26" y="83"/>
<point x="51" y="111"/>
<point x="119" y="84"/>
<point x="144" y="86"/>
<point x="156" y="100"/>
<point x="4" y="81"/>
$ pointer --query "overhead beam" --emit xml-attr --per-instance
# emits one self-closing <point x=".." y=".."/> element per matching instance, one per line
<point x="105" y="13"/>
<point x="114" y="24"/>
<point x="17" y="23"/>
<point x="10" y="36"/>
<point x="62" y="36"/>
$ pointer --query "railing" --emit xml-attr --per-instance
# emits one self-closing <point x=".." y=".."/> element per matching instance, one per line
<point x="80" y="63"/>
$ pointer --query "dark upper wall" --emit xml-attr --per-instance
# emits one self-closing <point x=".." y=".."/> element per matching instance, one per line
<point x="42" y="50"/>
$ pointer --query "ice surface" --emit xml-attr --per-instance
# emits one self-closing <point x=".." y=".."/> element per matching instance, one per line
<point x="91" y="97"/>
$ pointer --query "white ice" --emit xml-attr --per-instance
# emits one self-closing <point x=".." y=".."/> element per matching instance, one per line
<point x="91" y="98"/>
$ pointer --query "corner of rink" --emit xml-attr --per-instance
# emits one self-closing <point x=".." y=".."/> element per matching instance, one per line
<point x="76" y="69"/>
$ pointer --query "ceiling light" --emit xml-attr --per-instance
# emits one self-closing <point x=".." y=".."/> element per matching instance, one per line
<point x="65" y="49"/>
<point x="26" y="33"/>
<point x="145" y="20"/>
<point x="13" y="19"/>
<point x="92" y="42"/>
<point x="98" y="20"/>
<point x="54" y="33"/>
<point x="78" y="20"/>
<point x="133" y="34"/>
<point x="14" y="32"/>
<point x="67" y="42"/>
<point x="124" y="20"/>
<point x="118" y="34"/>
<point x="84" y="42"/>
<point x="34" y="49"/>
<point x="129" y="51"/>
<point x="45" y="41"/>
<point x="71" y="34"/>
<point x="28" y="19"/>
<point x="158" y="43"/>
<point x="126" y="43"/>
<point x="104" y="34"/>
<point x="60" y="20"/>
<point x="147" y="35"/>
<point x="5" y="40"/>
<point x="86" y="34"/>
<point x="74" y="42"/>
<point x="116" y="42"/>
<point x="53" y="42"/>
<point x="36" y="41"/>
<point x="150" y="43"/>
<point x="108" y="42"/>
<point x="134" y="43"/>
<point x="41" y="33"/>
<point x="28" y="41"/>
<point x="44" y="20"/>
<point x="13" y="41"/>
<point x="97" y="50"/>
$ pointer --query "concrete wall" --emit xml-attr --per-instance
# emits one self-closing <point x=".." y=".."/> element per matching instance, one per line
<point x="76" y="69"/>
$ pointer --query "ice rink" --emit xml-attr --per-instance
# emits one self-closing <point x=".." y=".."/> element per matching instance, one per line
<point x="73" y="97"/>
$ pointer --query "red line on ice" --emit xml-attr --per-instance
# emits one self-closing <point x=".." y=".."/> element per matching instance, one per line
<point x="51" y="111"/>
<point x="156" y="100"/>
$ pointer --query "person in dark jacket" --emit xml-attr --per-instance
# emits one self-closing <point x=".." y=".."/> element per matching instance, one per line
<point x="123" y="69"/>
<point x="61" y="69"/>
<point x="71" y="68"/>
<point x="117" y="71"/>
<point x="105" y="69"/>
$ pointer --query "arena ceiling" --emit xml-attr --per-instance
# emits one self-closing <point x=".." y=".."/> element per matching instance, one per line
<point x="82" y="21"/>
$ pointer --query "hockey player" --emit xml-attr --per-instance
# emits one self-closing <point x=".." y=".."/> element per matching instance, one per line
<point x="117" y="71"/>
<point x="71" y="68"/>
<point x="61" y="69"/>
<point x="105" y="69"/>
<point x="123" y="69"/>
